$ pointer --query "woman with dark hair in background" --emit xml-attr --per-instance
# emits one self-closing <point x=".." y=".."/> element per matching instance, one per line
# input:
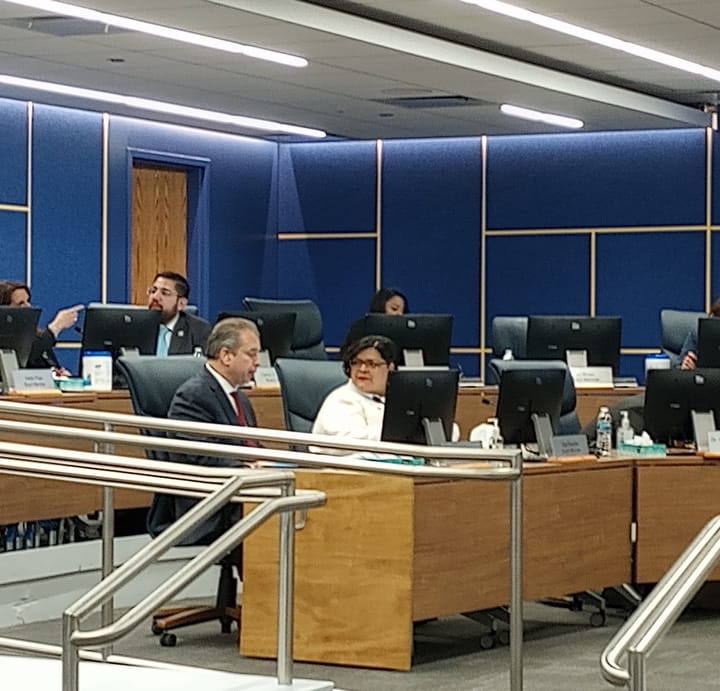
<point x="17" y="294"/>
<point x="688" y="354"/>
<point x="356" y="409"/>
<point x="388" y="301"/>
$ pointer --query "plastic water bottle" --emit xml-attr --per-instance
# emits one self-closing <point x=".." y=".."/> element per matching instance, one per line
<point x="603" y="439"/>
<point x="625" y="432"/>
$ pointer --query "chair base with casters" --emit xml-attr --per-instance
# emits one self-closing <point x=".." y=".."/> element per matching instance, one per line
<point x="226" y="609"/>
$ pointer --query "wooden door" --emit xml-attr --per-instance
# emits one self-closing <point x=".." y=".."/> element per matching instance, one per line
<point x="159" y="225"/>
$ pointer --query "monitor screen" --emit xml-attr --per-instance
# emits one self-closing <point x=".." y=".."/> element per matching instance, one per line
<point x="708" y="343"/>
<point x="276" y="330"/>
<point x="524" y="391"/>
<point x="112" y="327"/>
<point x="670" y="396"/>
<point x="430" y="333"/>
<point x="548" y="338"/>
<point x="18" y="326"/>
<point x="412" y="395"/>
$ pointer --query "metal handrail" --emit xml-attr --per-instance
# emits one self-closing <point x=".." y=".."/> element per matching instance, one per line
<point x="235" y="480"/>
<point x="645" y="628"/>
<point x="510" y="470"/>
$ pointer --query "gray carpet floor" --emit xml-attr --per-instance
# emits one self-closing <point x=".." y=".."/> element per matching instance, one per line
<point x="561" y="653"/>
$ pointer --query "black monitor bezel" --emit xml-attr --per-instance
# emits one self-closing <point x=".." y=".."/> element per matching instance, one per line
<point x="18" y="328"/>
<point x="524" y="391"/>
<point x="671" y="394"/>
<point x="414" y="394"/>
<point x="431" y="333"/>
<point x="106" y="328"/>
<point x="708" y="342"/>
<point x="276" y="329"/>
<point x="549" y="337"/>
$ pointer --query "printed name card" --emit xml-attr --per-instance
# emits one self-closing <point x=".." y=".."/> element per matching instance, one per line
<point x="266" y="377"/>
<point x="592" y="376"/>
<point x="569" y="445"/>
<point x="714" y="442"/>
<point x="33" y="380"/>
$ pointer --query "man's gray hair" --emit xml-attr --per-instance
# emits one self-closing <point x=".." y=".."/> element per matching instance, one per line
<point x="228" y="334"/>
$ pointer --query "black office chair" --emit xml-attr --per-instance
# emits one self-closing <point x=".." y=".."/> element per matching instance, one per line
<point x="507" y="333"/>
<point x="674" y="328"/>
<point x="152" y="382"/>
<point x="304" y="384"/>
<point x="308" y="341"/>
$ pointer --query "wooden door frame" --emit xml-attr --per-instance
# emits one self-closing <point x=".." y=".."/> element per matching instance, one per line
<point x="197" y="169"/>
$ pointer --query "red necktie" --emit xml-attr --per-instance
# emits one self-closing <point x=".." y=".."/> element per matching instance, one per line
<point x="241" y="418"/>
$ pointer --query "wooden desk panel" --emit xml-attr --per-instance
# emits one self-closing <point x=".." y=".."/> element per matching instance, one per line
<point x="674" y="500"/>
<point x="353" y="578"/>
<point x="386" y="551"/>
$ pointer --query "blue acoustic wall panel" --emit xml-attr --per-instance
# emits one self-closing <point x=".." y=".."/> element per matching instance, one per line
<point x="237" y="175"/>
<point x="327" y="187"/>
<point x="337" y="275"/>
<point x="537" y="274"/>
<point x="13" y="152"/>
<point x="66" y="209"/>
<point x="638" y="274"/>
<point x="13" y="253"/>
<point x="431" y="228"/>
<point x="613" y="179"/>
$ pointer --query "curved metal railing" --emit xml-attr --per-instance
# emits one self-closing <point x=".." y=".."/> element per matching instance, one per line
<point x="503" y="465"/>
<point x="645" y="628"/>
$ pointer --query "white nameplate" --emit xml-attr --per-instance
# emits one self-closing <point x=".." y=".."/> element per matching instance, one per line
<point x="569" y="445"/>
<point x="592" y="376"/>
<point x="714" y="442"/>
<point x="266" y="377"/>
<point x="33" y="380"/>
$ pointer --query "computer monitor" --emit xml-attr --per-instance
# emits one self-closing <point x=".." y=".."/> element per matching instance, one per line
<point x="18" y="327"/>
<point x="414" y="395"/>
<point x="708" y="343"/>
<point x="112" y="327"/>
<point x="523" y="392"/>
<point x="276" y="330"/>
<point x="549" y="338"/>
<point x="671" y="395"/>
<point x="428" y="333"/>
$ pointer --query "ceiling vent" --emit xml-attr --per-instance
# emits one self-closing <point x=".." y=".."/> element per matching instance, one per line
<point x="434" y="102"/>
<point x="61" y="26"/>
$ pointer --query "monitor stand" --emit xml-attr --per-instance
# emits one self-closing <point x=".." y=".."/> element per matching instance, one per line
<point x="413" y="357"/>
<point x="703" y="424"/>
<point x="8" y="365"/>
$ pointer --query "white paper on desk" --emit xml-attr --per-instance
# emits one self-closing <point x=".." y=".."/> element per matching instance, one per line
<point x="267" y="377"/>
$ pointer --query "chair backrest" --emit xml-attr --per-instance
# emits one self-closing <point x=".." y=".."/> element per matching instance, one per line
<point x="507" y="333"/>
<point x="152" y="381"/>
<point x="674" y="328"/>
<point x="308" y="341"/>
<point x="304" y="384"/>
<point x="569" y="423"/>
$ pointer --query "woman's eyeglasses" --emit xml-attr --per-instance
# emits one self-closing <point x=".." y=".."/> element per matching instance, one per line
<point x="370" y="364"/>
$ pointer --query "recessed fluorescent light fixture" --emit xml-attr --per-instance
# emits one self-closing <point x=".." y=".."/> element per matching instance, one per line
<point x="595" y="37"/>
<point x="161" y="107"/>
<point x="63" y="8"/>
<point x="539" y="116"/>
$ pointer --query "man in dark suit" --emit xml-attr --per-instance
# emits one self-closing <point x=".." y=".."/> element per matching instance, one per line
<point x="180" y="333"/>
<point x="212" y="396"/>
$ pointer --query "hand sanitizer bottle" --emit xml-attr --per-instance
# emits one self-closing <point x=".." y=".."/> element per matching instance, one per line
<point x="625" y="432"/>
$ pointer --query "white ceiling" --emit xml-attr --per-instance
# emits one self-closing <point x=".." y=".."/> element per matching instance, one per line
<point x="371" y="52"/>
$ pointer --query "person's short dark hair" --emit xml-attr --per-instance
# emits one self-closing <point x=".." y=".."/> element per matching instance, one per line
<point x="382" y="344"/>
<point x="182" y="287"/>
<point x="7" y="288"/>
<point x="377" y="304"/>
<point x="715" y="308"/>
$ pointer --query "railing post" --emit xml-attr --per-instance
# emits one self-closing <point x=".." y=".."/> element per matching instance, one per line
<point x="636" y="669"/>
<point x="516" y="572"/>
<point x="70" y="654"/>
<point x="108" y="544"/>
<point x="285" y="592"/>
